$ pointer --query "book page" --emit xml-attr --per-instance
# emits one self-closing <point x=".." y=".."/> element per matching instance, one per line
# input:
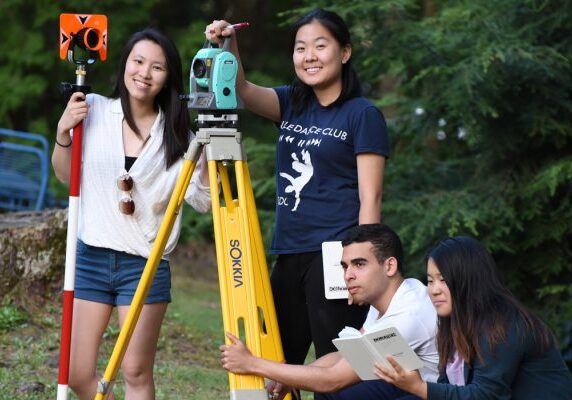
<point x="349" y="332"/>
<point x="361" y="351"/>
<point x="390" y="342"/>
<point x="356" y="351"/>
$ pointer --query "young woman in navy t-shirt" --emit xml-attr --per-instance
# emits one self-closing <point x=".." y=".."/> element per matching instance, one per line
<point x="330" y="156"/>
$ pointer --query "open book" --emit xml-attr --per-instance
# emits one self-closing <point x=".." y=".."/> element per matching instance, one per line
<point x="362" y="350"/>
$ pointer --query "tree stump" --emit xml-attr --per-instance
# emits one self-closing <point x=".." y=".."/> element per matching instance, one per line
<point x="32" y="254"/>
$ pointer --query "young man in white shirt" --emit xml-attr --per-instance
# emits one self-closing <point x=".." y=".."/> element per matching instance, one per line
<point x="372" y="261"/>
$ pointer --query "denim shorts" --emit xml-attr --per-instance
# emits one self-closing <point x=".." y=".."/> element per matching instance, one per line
<point x="111" y="277"/>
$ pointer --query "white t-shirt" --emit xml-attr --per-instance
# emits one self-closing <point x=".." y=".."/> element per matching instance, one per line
<point x="413" y="314"/>
<point x="101" y="223"/>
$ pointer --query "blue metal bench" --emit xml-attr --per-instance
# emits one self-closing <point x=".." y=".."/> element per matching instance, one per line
<point x="24" y="170"/>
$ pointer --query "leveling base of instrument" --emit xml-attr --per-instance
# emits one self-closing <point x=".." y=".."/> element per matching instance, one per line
<point x="246" y="298"/>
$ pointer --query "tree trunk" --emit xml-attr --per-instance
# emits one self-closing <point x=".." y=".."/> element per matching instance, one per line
<point x="32" y="254"/>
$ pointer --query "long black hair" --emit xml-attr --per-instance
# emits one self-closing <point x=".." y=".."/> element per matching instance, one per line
<point x="177" y="123"/>
<point x="337" y="27"/>
<point x="481" y="304"/>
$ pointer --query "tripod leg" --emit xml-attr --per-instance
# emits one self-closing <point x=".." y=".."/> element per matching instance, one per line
<point x="271" y="345"/>
<point x="105" y="384"/>
<point x="246" y="298"/>
<point x="234" y="260"/>
<point x="270" y="339"/>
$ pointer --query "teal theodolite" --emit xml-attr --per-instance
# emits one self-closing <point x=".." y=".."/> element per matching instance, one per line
<point x="213" y="79"/>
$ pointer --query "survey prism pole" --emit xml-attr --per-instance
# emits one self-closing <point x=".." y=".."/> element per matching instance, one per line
<point x="85" y="34"/>
<point x="71" y="244"/>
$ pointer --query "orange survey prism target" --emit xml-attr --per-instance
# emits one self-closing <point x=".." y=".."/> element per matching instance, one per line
<point x="84" y="30"/>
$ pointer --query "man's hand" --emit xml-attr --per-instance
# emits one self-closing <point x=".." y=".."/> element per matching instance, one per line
<point x="276" y="390"/>
<point x="235" y="357"/>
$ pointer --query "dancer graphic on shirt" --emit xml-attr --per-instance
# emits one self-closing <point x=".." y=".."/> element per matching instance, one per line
<point x="306" y="171"/>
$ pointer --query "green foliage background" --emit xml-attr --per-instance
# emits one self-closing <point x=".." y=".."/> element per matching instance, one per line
<point x="477" y="95"/>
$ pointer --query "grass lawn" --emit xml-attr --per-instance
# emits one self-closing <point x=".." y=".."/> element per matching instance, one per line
<point x="187" y="365"/>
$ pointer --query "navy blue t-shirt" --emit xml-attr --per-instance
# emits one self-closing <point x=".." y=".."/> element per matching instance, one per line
<point x="317" y="195"/>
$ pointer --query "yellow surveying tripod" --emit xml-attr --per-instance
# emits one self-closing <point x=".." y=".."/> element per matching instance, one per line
<point x="246" y="299"/>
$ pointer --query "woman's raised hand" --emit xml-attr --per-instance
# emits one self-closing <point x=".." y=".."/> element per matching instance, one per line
<point x="217" y="31"/>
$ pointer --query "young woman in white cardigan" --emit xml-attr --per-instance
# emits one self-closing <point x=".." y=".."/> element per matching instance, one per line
<point x="133" y="147"/>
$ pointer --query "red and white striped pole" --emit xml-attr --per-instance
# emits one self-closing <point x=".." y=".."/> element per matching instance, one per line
<point x="71" y="245"/>
<point x="89" y="33"/>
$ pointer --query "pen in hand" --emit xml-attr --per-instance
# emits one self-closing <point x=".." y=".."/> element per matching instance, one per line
<point x="233" y="26"/>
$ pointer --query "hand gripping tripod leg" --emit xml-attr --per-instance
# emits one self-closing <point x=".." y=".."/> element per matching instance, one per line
<point x="246" y="298"/>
